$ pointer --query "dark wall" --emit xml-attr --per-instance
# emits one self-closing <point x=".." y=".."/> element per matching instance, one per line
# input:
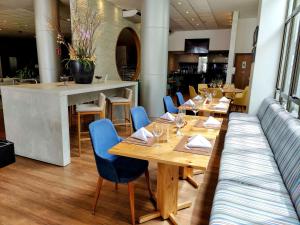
<point x="24" y="49"/>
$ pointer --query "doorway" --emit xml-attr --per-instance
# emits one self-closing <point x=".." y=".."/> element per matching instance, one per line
<point x="242" y="65"/>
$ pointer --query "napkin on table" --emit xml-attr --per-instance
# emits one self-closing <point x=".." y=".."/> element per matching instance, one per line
<point x="189" y="103"/>
<point x="142" y="134"/>
<point x="197" y="98"/>
<point x="198" y="141"/>
<point x="211" y="121"/>
<point x="168" y="116"/>
<point x="224" y="99"/>
<point x="220" y="105"/>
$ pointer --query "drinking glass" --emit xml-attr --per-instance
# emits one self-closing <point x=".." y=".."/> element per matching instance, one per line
<point x="157" y="132"/>
<point x="182" y="112"/>
<point x="195" y="109"/>
<point x="179" y="120"/>
<point x="64" y="78"/>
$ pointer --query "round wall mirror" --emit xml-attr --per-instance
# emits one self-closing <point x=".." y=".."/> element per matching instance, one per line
<point x="128" y="55"/>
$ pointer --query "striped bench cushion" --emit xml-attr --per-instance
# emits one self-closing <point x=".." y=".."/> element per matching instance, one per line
<point x="263" y="107"/>
<point x="236" y="203"/>
<point x="243" y="128"/>
<point x="243" y="117"/>
<point x="270" y="116"/>
<point x="252" y="169"/>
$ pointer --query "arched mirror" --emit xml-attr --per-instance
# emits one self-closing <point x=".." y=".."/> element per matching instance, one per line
<point x="128" y="54"/>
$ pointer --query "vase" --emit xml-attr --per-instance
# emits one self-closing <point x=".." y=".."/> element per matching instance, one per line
<point x="81" y="74"/>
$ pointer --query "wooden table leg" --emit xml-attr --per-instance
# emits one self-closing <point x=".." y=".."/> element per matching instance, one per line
<point x="167" y="194"/>
<point x="187" y="173"/>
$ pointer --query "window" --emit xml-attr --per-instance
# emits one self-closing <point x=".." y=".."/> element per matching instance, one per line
<point x="288" y="81"/>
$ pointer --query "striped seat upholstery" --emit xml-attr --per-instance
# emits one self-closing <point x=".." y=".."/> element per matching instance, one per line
<point x="287" y="155"/>
<point x="259" y="181"/>
<point x="243" y="117"/>
<point x="252" y="169"/>
<point x="236" y="203"/>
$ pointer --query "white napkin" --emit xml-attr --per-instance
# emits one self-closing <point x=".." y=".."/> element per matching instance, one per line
<point x="220" y="105"/>
<point x="197" y="98"/>
<point x="224" y="99"/>
<point x="198" y="141"/>
<point x="168" y="116"/>
<point x="142" y="134"/>
<point x="211" y="121"/>
<point x="189" y="103"/>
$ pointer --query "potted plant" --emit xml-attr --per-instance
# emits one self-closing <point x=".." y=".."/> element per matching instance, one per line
<point x="82" y="57"/>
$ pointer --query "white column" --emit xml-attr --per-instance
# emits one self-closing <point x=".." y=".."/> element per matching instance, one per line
<point x="46" y="22"/>
<point x="268" y="50"/>
<point x="230" y="71"/>
<point x="155" y="33"/>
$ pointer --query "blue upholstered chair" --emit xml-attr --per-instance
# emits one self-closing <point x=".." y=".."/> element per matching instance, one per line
<point x="114" y="168"/>
<point x="180" y="99"/>
<point x="169" y="105"/>
<point x="139" y="117"/>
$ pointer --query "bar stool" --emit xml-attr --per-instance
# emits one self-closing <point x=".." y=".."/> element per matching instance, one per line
<point x="124" y="102"/>
<point x="89" y="109"/>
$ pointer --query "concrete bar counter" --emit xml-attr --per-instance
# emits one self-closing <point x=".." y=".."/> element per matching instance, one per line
<point x="36" y="115"/>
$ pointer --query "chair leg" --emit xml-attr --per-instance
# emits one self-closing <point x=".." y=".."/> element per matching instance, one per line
<point x="79" y="133"/>
<point x="97" y="194"/>
<point x="148" y="184"/>
<point x="116" y="186"/>
<point x="131" y="201"/>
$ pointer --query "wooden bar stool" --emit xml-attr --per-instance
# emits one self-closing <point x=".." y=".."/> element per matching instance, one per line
<point x="89" y="109"/>
<point x="126" y="103"/>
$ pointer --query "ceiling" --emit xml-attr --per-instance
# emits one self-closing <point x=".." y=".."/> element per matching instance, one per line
<point x="200" y="14"/>
<point x="17" y="17"/>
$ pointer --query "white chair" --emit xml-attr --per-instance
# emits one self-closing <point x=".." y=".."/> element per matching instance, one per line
<point x="124" y="101"/>
<point x="89" y="109"/>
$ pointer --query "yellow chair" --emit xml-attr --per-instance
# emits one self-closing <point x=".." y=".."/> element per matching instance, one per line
<point x="229" y="86"/>
<point x="216" y="92"/>
<point x="241" y="99"/>
<point x="202" y="88"/>
<point x="193" y="92"/>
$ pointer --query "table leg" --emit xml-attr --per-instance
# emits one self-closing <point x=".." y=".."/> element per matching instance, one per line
<point x="186" y="173"/>
<point x="167" y="194"/>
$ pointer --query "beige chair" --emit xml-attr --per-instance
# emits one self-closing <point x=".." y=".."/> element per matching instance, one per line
<point x="125" y="102"/>
<point x="241" y="100"/>
<point x="193" y="92"/>
<point x="216" y="92"/>
<point x="89" y="109"/>
<point x="202" y="88"/>
<point x="229" y="86"/>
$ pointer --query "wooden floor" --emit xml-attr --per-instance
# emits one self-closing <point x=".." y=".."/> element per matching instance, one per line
<point x="33" y="192"/>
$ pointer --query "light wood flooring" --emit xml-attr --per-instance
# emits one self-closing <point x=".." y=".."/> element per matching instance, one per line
<point x="32" y="192"/>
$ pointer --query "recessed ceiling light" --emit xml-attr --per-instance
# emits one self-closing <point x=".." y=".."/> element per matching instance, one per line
<point x="179" y="3"/>
<point x="187" y="12"/>
<point x="0" y="28"/>
<point x="193" y="19"/>
<point x="197" y="24"/>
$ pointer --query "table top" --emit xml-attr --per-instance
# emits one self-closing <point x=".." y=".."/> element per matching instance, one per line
<point x="209" y="107"/>
<point x="232" y="90"/>
<point x="164" y="153"/>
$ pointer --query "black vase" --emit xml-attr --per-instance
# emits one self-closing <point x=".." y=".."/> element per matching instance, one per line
<point x="82" y="74"/>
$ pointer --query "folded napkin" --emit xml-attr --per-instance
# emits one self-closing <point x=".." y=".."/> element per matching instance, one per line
<point x="211" y="121"/>
<point x="189" y="103"/>
<point x="198" y="141"/>
<point x="224" y="99"/>
<point x="197" y="98"/>
<point x="168" y="116"/>
<point x="220" y="105"/>
<point x="142" y="134"/>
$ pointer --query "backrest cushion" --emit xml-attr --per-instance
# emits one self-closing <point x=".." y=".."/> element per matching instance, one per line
<point x="270" y="115"/>
<point x="287" y="156"/>
<point x="264" y="105"/>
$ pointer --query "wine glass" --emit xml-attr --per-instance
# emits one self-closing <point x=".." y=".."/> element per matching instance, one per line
<point x="64" y="78"/>
<point x="195" y="109"/>
<point x="157" y="132"/>
<point x="179" y="124"/>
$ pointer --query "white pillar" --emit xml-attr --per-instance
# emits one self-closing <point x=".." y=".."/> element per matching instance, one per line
<point x="46" y="22"/>
<point x="268" y="49"/>
<point x="230" y="71"/>
<point x="155" y="33"/>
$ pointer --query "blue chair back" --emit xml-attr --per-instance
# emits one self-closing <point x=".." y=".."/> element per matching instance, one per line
<point x="180" y="99"/>
<point x="103" y="137"/>
<point x="169" y="105"/>
<point x="139" y="117"/>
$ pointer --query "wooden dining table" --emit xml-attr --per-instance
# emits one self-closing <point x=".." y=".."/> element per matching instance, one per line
<point x="208" y="107"/>
<point x="169" y="162"/>
<point x="232" y="90"/>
